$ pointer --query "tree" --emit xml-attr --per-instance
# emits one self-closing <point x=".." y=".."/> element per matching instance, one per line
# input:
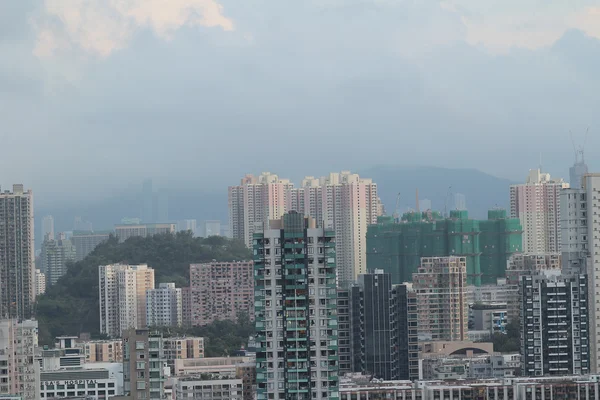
<point x="71" y="307"/>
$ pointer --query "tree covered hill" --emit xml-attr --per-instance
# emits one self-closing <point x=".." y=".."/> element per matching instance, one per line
<point x="71" y="307"/>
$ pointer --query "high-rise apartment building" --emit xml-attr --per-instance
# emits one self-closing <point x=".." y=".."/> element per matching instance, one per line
<point x="19" y="373"/>
<point x="578" y="170"/>
<point x="188" y="225"/>
<point x="123" y="297"/>
<point x="55" y="255"/>
<point x="17" y="254"/>
<point x="186" y="306"/>
<point x="220" y="291"/>
<point x="164" y="306"/>
<point x="460" y="202"/>
<point x="124" y="232"/>
<point x="581" y="248"/>
<point x="40" y="283"/>
<point x="86" y="242"/>
<point x="344" y="331"/>
<point x="385" y="335"/>
<point x="147" y="201"/>
<point x="554" y="324"/>
<point x="396" y="246"/>
<point x="440" y="285"/>
<point x="48" y="226"/>
<point x="295" y="308"/>
<point x="537" y="204"/>
<point x="344" y="202"/>
<point x="212" y="228"/>
<point x="143" y="364"/>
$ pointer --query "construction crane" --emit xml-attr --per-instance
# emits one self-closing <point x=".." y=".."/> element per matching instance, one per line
<point x="397" y="210"/>
<point x="579" y="151"/>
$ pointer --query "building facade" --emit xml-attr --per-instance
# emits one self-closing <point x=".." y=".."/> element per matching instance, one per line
<point x="537" y="205"/>
<point x="124" y="232"/>
<point x="122" y="291"/>
<point x="295" y="308"/>
<point x="19" y="374"/>
<point x="56" y="253"/>
<point x="580" y="247"/>
<point x="143" y="364"/>
<point x="40" y="283"/>
<point x="86" y="242"/>
<point x="164" y="306"/>
<point x="48" y="226"/>
<point x="209" y="387"/>
<point x="102" y="351"/>
<point x="344" y="202"/>
<point x="440" y="285"/>
<point x="17" y="254"/>
<point x="396" y="246"/>
<point x="554" y="324"/>
<point x="221" y="291"/>
<point x="385" y="336"/>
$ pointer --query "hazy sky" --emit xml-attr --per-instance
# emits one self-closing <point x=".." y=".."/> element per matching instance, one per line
<point x="96" y="94"/>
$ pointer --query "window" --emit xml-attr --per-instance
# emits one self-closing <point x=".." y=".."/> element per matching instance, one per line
<point x="140" y="365"/>
<point x="139" y="345"/>
<point x="141" y="385"/>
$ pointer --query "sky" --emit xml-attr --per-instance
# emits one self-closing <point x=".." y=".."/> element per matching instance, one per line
<point x="96" y="95"/>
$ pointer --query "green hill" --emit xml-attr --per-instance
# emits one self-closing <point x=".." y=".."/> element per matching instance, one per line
<point x="70" y="307"/>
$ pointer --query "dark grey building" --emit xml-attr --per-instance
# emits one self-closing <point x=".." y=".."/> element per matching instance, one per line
<point x="554" y="324"/>
<point x="383" y="328"/>
<point x="344" y="331"/>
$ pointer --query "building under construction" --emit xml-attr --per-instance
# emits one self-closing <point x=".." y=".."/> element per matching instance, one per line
<point x="396" y="246"/>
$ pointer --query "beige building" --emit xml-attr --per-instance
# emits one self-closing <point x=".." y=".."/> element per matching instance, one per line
<point x="440" y="284"/>
<point x="143" y="365"/>
<point x="102" y="351"/>
<point x="221" y="290"/>
<point x="537" y="205"/>
<point x="182" y="348"/>
<point x="19" y="373"/>
<point x="17" y="271"/>
<point x="342" y="201"/>
<point x="123" y="297"/>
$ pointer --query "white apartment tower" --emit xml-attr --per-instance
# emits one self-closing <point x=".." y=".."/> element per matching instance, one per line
<point x="580" y="231"/>
<point x="17" y="256"/>
<point x="164" y="306"/>
<point x="122" y="290"/>
<point x="40" y="283"/>
<point x="537" y="205"/>
<point x="344" y="202"/>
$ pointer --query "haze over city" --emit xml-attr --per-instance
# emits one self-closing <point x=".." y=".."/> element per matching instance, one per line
<point x="98" y="95"/>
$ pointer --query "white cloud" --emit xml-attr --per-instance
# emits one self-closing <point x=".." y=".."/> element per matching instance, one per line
<point x="100" y="27"/>
<point x="500" y="26"/>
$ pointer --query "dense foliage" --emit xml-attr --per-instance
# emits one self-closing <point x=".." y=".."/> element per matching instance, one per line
<point x="221" y="338"/>
<point x="70" y="307"/>
<point x="508" y="342"/>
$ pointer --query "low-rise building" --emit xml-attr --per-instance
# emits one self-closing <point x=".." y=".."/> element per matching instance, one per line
<point x="209" y="387"/>
<point x="102" y="350"/>
<point x="484" y="366"/>
<point x="488" y="317"/>
<point x="582" y="387"/>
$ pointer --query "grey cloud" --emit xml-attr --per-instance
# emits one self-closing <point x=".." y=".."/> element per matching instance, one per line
<point x="305" y="85"/>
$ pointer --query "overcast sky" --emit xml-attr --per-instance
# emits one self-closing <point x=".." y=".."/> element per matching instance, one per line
<point x="97" y="94"/>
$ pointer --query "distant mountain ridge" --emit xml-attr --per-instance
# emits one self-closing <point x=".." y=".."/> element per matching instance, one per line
<point x="482" y="191"/>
